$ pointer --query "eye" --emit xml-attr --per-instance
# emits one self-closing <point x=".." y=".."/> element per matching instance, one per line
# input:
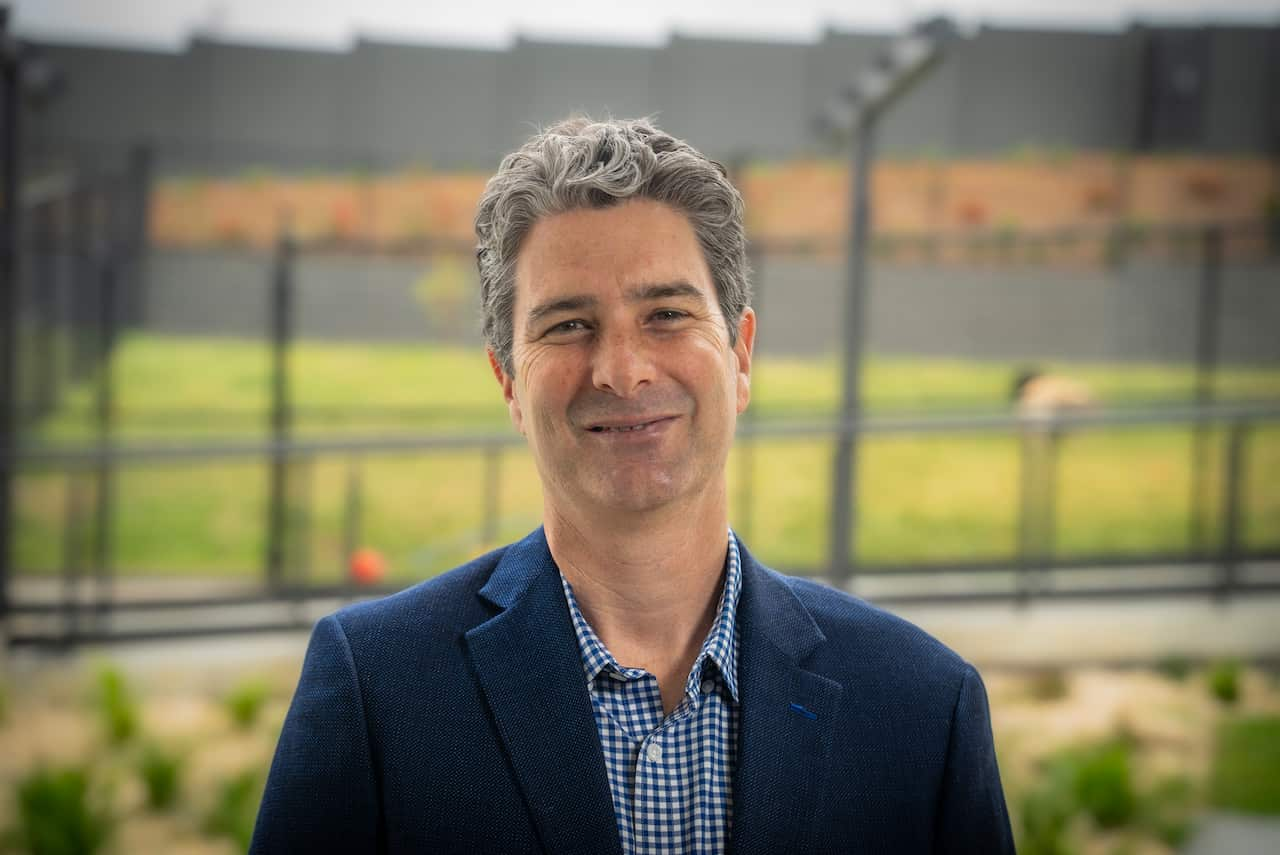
<point x="668" y="315"/>
<point x="565" y="327"/>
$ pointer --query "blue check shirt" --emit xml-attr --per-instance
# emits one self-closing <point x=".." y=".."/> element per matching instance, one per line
<point x="671" y="776"/>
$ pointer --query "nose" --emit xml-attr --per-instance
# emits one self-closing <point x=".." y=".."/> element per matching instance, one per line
<point x="622" y="364"/>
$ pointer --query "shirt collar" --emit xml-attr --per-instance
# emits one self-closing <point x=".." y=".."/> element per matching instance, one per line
<point x="720" y="645"/>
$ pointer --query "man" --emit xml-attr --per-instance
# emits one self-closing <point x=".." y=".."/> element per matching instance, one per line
<point x="627" y="678"/>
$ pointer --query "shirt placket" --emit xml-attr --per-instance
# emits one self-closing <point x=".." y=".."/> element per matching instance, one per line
<point x="662" y="814"/>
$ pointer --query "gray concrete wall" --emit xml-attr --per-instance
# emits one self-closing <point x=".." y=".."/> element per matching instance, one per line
<point x="1017" y="87"/>
<point x="1244" y="90"/>
<point x="112" y="98"/>
<point x="427" y="106"/>
<point x="545" y="81"/>
<point x="382" y="105"/>
<point x="1145" y="311"/>
<point x="735" y="98"/>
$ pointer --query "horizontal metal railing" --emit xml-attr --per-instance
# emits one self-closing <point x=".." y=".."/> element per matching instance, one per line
<point x="77" y="606"/>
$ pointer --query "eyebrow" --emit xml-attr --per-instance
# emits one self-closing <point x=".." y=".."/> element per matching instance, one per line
<point x="636" y="294"/>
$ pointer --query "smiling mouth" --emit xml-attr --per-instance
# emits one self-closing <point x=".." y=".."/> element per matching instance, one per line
<point x="626" y="428"/>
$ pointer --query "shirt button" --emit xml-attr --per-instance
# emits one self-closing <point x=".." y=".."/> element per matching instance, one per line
<point x="653" y="752"/>
<point x="708" y="686"/>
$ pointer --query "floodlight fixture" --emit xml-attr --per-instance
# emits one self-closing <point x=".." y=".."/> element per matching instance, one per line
<point x="856" y="112"/>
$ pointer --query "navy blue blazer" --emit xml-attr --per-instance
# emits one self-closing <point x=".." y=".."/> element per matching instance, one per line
<point x="454" y="717"/>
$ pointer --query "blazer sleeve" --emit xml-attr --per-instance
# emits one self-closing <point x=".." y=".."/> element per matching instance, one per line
<point x="321" y="794"/>
<point x="971" y="815"/>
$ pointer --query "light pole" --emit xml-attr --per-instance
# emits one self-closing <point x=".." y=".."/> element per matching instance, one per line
<point x="10" y="93"/>
<point x="857" y="113"/>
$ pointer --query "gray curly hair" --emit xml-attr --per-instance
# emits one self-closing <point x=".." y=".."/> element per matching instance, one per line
<point x="581" y="163"/>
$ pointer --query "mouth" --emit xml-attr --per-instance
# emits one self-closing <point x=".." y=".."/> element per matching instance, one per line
<point x="631" y="427"/>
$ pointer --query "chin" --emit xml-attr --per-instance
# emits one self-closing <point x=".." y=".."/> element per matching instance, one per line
<point x="623" y="494"/>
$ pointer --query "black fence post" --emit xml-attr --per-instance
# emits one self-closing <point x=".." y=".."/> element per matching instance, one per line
<point x="1026" y="512"/>
<point x="1207" y="312"/>
<point x="134" y="232"/>
<point x="352" y="509"/>
<point x="1049" y="503"/>
<point x="79" y="301"/>
<point x="849" y="420"/>
<point x="492" y="492"/>
<point x="72" y="555"/>
<point x="44" y="393"/>
<point x="1233" y="524"/>
<point x="105" y="414"/>
<point x="281" y="409"/>
<point x="10" y="210"/>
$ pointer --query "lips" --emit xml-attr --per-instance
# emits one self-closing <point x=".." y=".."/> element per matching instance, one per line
<point x="627" y="428"/>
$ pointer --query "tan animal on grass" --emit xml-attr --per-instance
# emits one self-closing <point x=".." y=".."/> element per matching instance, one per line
<point x="1038" y="395"/>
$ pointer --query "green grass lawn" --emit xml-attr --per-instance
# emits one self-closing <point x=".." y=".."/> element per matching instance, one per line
<point x="1246" y="767"/>
<point x="937" y="497"/>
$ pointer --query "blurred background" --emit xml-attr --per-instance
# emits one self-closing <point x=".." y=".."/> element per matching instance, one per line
<point x="1030" y="400"/>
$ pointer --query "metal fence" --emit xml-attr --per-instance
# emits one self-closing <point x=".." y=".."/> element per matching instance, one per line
<point x="87" y="601"/>
<point x="82" y="282"/>
<point x="92" y="597"/>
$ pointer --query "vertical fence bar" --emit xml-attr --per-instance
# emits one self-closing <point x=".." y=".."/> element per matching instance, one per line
<point x="845" y="469"/>
<point x="136" y="230"/>
<point x="352" y="508"/>
<point x="71" y="555"/>
<point x="281" y="415"/>
<point x="10" y="207"/>
<point x="300" y="515"/>
<point x="45" y="381"/>
<point x="1026" y="512"/>
<point x="1208" y="309"/>
<point x="492" y="488"/>
<point x="104" y="409"/>
<point x="80" y="300"/>
<point x="1049" y="504"/>
<point x="1233" y="524"/>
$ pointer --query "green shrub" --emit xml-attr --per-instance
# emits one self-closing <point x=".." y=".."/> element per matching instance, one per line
<point x="1049" y="684"/>
<point x="1224" y="681"/>
<point x="1093" y="780"/>
<point x="1246" y="766"/>
<point x="235" y="808"/>
<point x="1046" y="812"/>
<point x="1166" y="811"/>
<point x="55" y="816"/>
<point x="117" y="708"/>
<point x="245" y="702"/>
<point x="1104" y="784"/>
<point x="161" y="773"/>
<point x="1176" y="668"/>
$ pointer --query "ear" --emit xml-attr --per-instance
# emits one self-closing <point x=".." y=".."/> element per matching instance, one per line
<point x="743" y="349"/>
<point x="506" y="381"/>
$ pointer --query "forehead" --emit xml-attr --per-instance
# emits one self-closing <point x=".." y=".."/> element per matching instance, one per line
<point x="598" y="251"/>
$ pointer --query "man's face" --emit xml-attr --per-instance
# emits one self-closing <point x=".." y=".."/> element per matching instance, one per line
<point x="625" y="383"/>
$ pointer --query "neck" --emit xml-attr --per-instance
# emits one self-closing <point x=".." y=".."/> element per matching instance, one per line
<point x="649" y="585"/>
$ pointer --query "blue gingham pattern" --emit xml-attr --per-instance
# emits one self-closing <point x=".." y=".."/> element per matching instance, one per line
<point x="671" y="775"/>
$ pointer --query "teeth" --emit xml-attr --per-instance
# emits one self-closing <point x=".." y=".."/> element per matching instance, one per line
<point x="625" y="428"/>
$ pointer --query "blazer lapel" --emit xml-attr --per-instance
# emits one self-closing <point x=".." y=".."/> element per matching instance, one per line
<point x="787" y="718"/>
<point x="530" y="670"/>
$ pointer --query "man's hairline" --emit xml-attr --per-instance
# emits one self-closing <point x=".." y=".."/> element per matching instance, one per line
<point x="731" y="327"/>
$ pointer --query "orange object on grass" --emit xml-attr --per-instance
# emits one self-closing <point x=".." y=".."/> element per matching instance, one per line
<point x="368" y="566"/>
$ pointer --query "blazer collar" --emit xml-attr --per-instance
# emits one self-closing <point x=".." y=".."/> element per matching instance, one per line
<point x="788" y="715"/>
<point x="530" y="671"/>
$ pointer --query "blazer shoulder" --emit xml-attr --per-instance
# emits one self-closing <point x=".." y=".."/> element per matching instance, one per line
<point x="446" y="602"/>
<point x="855" y="628"/>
